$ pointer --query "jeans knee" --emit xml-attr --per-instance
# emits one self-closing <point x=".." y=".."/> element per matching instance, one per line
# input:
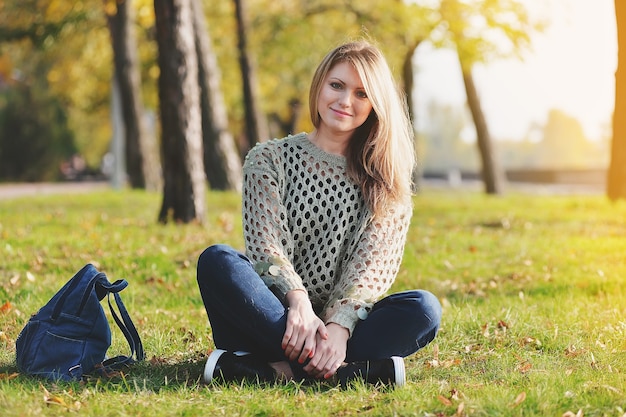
<point x="431" y="307"/>
<point x="210" y="260"/>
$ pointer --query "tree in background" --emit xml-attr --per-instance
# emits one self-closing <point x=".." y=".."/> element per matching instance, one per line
<point x="616" y="181"/>
<point x="142" y="159"/>
<point x="35" y="139"/>
<point x="477" y="30"/>
<point x="255" y="124"/>
<point x="184" y="186"/>
<point x="287" y="38"/>
<point x="35" y="134"/>
<point x="222" y="163"/>
<point x="62" y="48"/>
<point x="492" y="172"/>
<point x="443" y="125"/>
<point x="564" y="143"/>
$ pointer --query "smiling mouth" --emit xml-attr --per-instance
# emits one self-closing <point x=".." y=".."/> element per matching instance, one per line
<point x="341" y="113"/>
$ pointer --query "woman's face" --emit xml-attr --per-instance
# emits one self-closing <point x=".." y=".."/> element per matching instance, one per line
<point x="342" y="104"/>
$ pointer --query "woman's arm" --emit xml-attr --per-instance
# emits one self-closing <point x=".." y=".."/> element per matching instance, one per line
<point x="269" y="244"/>
<point x="268" y="240"/>
<point x="370" y="269"/>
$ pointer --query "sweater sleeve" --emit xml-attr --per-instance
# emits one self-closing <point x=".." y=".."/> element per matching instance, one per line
<point x="370" y="269"/>
<point x="269" y="243"/>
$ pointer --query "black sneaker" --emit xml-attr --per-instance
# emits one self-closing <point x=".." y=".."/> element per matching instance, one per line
<point x="386" y="371"/>
<point x="236" y="366"/>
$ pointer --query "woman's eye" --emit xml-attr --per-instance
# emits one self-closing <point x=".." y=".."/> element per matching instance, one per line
<point x="335" y="85"/>
<point x="361" y="94"/>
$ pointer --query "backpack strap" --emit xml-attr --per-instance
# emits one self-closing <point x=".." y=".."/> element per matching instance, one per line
<point x="130" y="333"/>
<point x="102" y="287"/>
<point x="75" y="281"/>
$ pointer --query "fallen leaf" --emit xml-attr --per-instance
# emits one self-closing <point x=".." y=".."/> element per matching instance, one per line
<point x="571" y="351"/>
<point x="612" y="389"/>
<point x="14" y="279"/>
<point x="526" y="341"/>
<point x="519" y="399"/>
<point x="455" y="394"/>
<point x="525" y="367"/>
<point x="7" y="376"/>
<point x="434" y="363"/>
<point x="485" y="329"/>
<point x="6" y="307"/>
<point x="443" y="400"/>
<point x="570" y="414"/>
<point x="436" y="351"/>
<point x="52" y="399"/>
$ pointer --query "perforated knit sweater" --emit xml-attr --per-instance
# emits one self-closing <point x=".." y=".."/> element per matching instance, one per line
<point x="306" y="226"/>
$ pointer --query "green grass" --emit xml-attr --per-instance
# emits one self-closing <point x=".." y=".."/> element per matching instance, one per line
<point x="533" y="289"/>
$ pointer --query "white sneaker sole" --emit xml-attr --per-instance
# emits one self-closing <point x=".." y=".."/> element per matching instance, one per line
<point x="399" y="371"/>
<point x="211" y="363"/>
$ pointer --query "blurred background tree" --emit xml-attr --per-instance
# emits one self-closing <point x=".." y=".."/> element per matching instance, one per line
<point x="64" y="48"/>
<point x="616" y="182"/>
<point x="141" y="162"/>
<point x="38" y="85"/>
<point x="35" y="137"/>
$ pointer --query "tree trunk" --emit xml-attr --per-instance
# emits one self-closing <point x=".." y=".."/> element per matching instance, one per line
<point x="408" y="78"/>
<point x="616" y="181"/>
<point x="409" y="81"/>
<point x="141" y="155"/>
<point x="493" y="176"/>
<point x="222" y="163"/>
<point x="184" y="188"/>
<point x="256" y="129"/>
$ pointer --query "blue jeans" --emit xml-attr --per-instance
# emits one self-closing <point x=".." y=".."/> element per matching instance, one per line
<point x="245" y="315"/>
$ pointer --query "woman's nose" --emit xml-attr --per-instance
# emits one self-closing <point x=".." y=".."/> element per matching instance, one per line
<point x="344" y="99"/>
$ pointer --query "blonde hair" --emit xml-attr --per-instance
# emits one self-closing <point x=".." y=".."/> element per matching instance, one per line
<point x="381" y="156"/>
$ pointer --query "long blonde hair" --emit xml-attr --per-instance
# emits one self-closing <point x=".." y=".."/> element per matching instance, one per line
<point x="381" y="156"/>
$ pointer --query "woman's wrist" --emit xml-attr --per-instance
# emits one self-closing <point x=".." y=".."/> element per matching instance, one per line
<point x="296" y="297"/>
<point x="338" y="329"/>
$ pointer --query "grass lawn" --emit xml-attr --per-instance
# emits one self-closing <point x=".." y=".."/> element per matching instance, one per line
<point x="533" y="289"/>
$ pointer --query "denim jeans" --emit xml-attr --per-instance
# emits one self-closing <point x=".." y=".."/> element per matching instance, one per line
<point x="246" y="316"/>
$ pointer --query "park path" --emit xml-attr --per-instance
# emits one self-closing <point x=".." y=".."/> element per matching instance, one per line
<point x="15" y="190"/>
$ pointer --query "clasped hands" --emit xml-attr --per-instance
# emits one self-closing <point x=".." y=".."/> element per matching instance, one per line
<point x="307" y="337"/>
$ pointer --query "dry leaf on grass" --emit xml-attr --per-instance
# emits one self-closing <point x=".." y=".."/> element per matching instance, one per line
<point x="519" y="399"/>
<point x="572" y="351"/>
<point x="6" y="307"/>
<point x="443" y="400"/>
<point x="52" y="399"/>
<point x="570" y="414"/>
<point x="524" y="367"/>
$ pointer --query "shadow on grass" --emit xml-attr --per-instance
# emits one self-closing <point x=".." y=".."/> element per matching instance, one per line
<point x="160" y="377"/>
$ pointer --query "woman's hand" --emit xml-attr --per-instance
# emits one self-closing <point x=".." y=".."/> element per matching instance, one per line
<point x="303" y="328"/>
<point x="329" y="353"/>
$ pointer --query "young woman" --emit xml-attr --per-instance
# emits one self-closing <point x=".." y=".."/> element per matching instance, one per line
<point x="325" y="218"/>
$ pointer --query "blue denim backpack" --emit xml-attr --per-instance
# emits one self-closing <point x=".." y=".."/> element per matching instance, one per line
<point x="70" y="335"/>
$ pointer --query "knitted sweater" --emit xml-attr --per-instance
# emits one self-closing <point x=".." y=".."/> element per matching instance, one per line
<point x="306" y="226"/>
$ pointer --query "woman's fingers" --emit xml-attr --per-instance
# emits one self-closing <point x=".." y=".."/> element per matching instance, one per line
<point x="308" y="350"/>
<point x="293" y="347"/>
<point x="329" y="355"/>
<point x="301" y="333"/>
